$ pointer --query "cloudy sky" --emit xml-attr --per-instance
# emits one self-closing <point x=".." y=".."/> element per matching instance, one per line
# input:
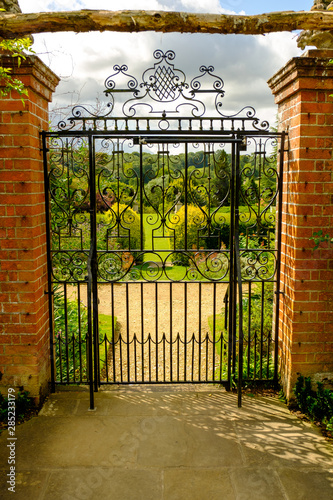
<point x="245" y="63"/>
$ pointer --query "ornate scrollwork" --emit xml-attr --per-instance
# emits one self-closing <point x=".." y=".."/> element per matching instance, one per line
<point x="69" y="266"/>
<point x="163" y="93"/>
<point x="111" y="84"/>
<point x="258" y="265"/>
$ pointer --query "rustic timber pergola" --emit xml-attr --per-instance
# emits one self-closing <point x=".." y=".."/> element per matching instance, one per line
<point x="17" y="25"/>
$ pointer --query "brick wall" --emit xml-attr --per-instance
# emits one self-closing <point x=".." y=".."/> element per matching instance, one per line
<point x="24" y="333"/>
<point x="302" y="91"/>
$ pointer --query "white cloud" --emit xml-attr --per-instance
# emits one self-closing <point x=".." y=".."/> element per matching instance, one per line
<point x="205" y="6"/>
<point x="282" y="45"/>
<point x="46" y="6"/>
<point x="85" y="60"/>
<point x="212" y="6"/>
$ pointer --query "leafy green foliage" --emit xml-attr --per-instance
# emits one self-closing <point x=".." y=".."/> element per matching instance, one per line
<point x="319" y="237"/>
<point x="318" y="405"/>
<point x="71" y="337"/>
<point x="24" y="405"/>
<point x="257" y="304"/>
<point x="16" y="48"/>
<point x="254" y="365"/>
<point x="71" y="330"/>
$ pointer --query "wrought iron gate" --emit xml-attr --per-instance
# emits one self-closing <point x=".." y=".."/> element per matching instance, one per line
<point x="163" y="244"/>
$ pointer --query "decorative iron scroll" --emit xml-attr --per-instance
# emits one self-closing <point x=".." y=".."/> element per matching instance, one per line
<point x="162" y="99"/>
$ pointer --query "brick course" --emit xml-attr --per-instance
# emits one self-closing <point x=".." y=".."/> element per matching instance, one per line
<point x="24" y="333"/>
<point x="302" y="91"/>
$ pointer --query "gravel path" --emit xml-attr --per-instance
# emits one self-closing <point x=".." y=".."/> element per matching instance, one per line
<point x="192" y="304"/>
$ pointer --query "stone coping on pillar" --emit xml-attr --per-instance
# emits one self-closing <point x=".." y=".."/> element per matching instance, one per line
<point x="301" y="72"/>
<point x="34" y="66"/>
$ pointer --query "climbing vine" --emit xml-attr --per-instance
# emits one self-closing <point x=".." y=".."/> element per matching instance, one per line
<point x="18" y="48"/>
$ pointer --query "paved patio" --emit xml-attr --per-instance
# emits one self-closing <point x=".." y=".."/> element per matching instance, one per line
<point x="145" y="444"/>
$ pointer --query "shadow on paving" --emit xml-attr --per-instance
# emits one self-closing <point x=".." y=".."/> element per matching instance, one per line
<point x="144" y="444"/>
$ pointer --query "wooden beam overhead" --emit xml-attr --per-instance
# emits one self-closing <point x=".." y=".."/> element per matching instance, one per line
<point x="18" y="25"/>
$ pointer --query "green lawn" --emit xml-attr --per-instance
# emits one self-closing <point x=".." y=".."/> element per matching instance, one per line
<point x="154" y="238"/>
<point x="154" y="235"/>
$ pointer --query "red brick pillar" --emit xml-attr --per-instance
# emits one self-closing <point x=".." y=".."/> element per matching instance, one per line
<point x="24" y="330"/>
<point x="302" y="91"/>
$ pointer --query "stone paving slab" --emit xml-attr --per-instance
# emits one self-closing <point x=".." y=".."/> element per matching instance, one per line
<point x="166" y="445"/>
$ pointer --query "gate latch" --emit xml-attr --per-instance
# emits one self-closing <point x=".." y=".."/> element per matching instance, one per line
<point x="243" y="145"/>
<point x="139" y="140"/>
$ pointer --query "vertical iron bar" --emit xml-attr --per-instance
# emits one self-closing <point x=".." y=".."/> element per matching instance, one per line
<point x="262" y="325"/>
<point x="221" y="340"/>
<point x="278" y="266"/>
<point x="186" y="193"/>
<point x="66" y="332"/>
<point x="163" y="340"/>
<point x="200" y="320"/>
<point x="268" y="354"/>
<point x="249" y="330"/>
<point x="91" y="275"/>
<point x="240" y="322"/>
<point x="135" y="369"/>
<point x="156" y="328"/>
<point x="49" y="262"/>
<point x="226" y="308"/>
<point x="193" y="351"/>
<point x="232" y="298"/>
<point x="74" y="360"/>
<point x="142" y="335"/>
<point x="120" y="340"/>
<point x="106" y="356"/>
<point x="185" y="329"/>
<point x="255" y="356"/>
<point x="93" y="248"/>
<point x="207" y="354"/>
<point x="80" y="327"/>
<point x="234" y="318"/>
<point x="127" y="334"/>
<point x="214" y="327"/>
<point x="238" y="279"/>
<point x="141" y="200"/>
<point x="171" y="340"/>
<point x="60" y="357"/>
<point x="178" y="342"/>
<point x="226" y="322"/>
<point x="113" y="334"/>
<point x="96" y="326"/>
<point x="90" y="331"/>
<point x="149" y="352"/>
